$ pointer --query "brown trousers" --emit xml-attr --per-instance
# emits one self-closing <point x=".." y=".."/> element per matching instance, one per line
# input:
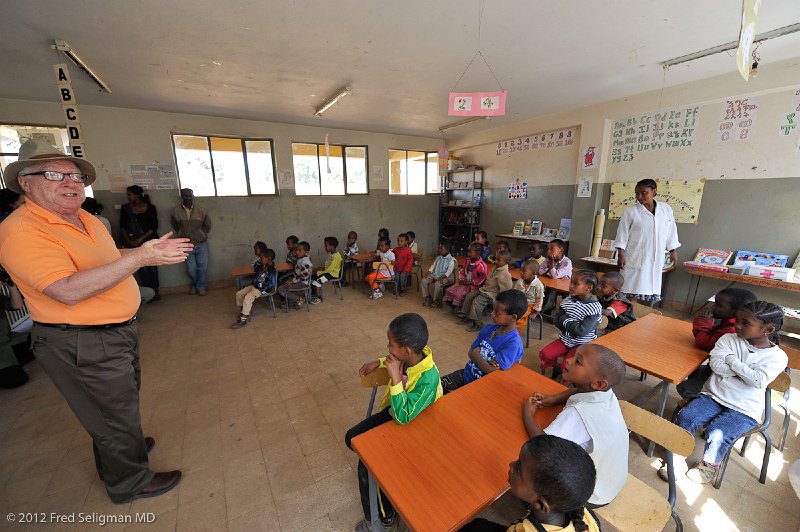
<point x="97" y="371"/>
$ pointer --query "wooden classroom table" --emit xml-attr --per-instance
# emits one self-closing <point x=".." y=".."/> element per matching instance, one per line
<point x="243" y="271"/>
<point x="559" y="285"/>
<point x="696" y="275"/>
<point x="659" y="346"/>
<point x="361" y="259"/>
<point x="451" y="461"/>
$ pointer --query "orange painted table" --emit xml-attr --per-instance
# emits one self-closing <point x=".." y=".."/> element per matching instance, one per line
<point x="244" y="271"/>
<point x="698" y="273"/>
<point x="659" y="346"/>
<point x="451" y="461"/>
<point x="360" y="258"/>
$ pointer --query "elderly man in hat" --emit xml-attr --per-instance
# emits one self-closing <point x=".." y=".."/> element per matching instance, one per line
<point x="83" y="300"/>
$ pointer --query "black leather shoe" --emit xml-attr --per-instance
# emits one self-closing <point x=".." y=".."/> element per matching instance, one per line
<point x="161" y="483"/>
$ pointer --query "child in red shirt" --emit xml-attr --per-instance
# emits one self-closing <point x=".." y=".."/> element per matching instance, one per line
<point x="403" y="261"/>
<point x="708" y="328"/>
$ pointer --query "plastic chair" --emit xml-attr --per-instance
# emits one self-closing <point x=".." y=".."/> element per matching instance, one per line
<point x="781" y="384"/>
<point x="337" y="285"/>
<point x="270" y="296"/>
<point x="638" y="506"/>
<point x="387" y="278"/>
<point x="377" y="378"/>
<point x="794" y="363"/>
<point x="540" y="319"/>
<point x="306" y="295"/>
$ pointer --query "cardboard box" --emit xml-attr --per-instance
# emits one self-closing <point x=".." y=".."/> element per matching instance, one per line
<point x="771" y="272"/>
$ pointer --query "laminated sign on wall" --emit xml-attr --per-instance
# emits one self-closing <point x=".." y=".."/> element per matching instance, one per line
<point x="683" y="196"/>
<point x="788" y="124"/>
<point x="541" y="141"/>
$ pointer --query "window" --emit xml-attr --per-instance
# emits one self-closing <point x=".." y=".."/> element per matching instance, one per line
<point x="335" y="171"/>
<point x="14" y="136"/>
<point x="225" y="166"/>
<point x="413" y="172"/>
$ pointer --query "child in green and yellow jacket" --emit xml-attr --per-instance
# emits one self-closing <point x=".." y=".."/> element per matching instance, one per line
<point x="414" y="385"/>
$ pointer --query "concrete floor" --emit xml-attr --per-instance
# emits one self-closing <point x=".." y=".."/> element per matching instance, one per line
<point x="256" y="419"/>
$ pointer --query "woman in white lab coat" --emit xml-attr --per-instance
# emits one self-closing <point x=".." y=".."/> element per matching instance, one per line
<point x="646" y="231"/>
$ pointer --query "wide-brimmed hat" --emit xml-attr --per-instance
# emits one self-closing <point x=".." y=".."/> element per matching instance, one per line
<point x="39" y="151"/>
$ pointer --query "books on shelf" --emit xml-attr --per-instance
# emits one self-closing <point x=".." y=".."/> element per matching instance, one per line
<point x="759" y="258"/>
<point x="518" y="228"/>
<point x="712" y="257"/>
<point x="564" y="228"/>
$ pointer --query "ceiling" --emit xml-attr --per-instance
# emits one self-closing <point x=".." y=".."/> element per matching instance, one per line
<point x="278" y="60"/>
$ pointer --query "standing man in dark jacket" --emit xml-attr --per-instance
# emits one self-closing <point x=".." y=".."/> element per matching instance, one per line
<point x="192" y="222"/>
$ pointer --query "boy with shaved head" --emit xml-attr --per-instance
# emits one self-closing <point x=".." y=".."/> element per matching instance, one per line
<point x="591" y="416"/>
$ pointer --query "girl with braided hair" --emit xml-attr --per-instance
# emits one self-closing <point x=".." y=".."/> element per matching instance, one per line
<point x="555" y="477"/>
<point x="732" y="400"/>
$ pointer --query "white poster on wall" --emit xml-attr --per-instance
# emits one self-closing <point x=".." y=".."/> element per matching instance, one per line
<point x="585" y="187"/>
<point x="737" y="120"/>
<point x="285" y="178"/>
<point x="377" y="173"/>
<point x="788" y="125"/>
<point x="590" y="157"/>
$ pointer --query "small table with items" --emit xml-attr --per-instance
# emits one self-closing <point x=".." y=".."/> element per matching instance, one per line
<point x="359" y="260"/>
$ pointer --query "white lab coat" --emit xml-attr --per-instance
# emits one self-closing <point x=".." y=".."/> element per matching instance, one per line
<point x="645" y="237"/>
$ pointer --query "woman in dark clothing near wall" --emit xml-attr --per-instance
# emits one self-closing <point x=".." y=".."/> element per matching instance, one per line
<point x="138" y="222"/>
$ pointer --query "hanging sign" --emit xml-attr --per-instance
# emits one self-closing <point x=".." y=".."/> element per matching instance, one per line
<point x="70" y="108"/>
<point x="477" y="103"/>
<point x="442" y="156"/>
<point x="750" y="12"/>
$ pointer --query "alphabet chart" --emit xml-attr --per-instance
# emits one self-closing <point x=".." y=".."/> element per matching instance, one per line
<point x="672" y="128"/>
<point x="737" y="119"/>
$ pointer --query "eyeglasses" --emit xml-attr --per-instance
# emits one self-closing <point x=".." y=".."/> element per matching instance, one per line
<point x="58" y="176"/>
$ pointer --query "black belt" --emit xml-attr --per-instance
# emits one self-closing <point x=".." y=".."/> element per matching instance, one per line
<point x="65" y="326"/>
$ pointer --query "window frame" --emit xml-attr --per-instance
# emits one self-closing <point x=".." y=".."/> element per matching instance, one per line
<point x="243" y="141"/>
<point x="89" y="190"/>
<point x="344" y="169"/>
<point x="427" y="178"/>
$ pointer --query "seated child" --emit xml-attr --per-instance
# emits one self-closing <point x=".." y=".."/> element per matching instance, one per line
<point x="373" y="279"/>
<point x="301" y="276"/>
<point x="333" y="267"/>
<point x="732" y="400"/>
<point x="536" y="254"/>
<point x="498" y="247"/>
<point x="555" y="478"/>
<point x="440" y="274"/>
<point x="247" y="280"/>
<point x="577" y="318"/>
<point x="556" y="265"/>
<point x="384" y="233"/>
<point x="591" y="416"/>
<point x="708" y="329"/>
<point x="350" y="251"/>
<point x="482" y="238"/>
<point x="403" y="261"/>
<point x="412" y="242"/>
<point x="265" y="281"/>
<point x="616" y="305"/>
<point x="291" y="244"/>
<point x="497" y="281"/>
<point x="414" y="386"/>
<point x="532" y="287"/>
<point x="498" y="345"/>
<point x="471" y="276"/>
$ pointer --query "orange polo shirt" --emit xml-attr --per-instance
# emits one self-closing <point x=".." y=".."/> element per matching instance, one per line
<point x="37" y="248"/>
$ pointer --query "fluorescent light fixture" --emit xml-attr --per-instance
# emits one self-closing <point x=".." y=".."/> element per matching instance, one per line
<point x="461" y="123"/>
<point x="347" y="89"/>
<point x="780" y="32"/>
<point x="63" y="46"/>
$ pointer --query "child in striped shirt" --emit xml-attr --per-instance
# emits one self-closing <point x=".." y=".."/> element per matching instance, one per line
<point x="577" y="318"/>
